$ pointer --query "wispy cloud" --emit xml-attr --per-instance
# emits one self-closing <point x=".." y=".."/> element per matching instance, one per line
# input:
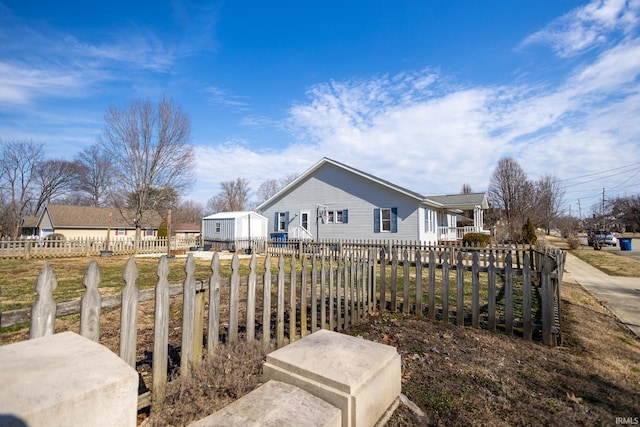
<point x="34" y="65"/>
<point x="589" y="26"/>
<point x="224" y="98"/>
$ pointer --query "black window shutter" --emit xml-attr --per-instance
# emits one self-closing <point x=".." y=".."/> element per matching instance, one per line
<point x="394" y="220"/>
<point x="345" y="216"/>
<point x="276" y="221"/>
<point x="376" y="220"/>
<point x="286" y="221"/>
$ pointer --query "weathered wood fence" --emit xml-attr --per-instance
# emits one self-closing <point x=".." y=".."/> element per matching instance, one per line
<point x="28" y="248"/>
<point x="290" y="296"/>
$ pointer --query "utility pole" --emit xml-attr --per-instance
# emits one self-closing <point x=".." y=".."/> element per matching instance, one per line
<point x="603" y="219"/>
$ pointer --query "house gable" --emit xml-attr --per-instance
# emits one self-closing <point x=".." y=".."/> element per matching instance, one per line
<point x="333" y="195"/>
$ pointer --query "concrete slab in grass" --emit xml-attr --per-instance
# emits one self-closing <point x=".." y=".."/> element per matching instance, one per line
<point x="275" y="404"/>
<point x="66" y="380"/>
<point x="360" y="377"/>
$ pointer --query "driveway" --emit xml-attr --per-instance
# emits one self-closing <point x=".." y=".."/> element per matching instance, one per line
<point x="621" y="295"/>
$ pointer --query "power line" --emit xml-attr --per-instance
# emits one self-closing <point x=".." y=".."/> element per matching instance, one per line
<point x="601" y="172"/>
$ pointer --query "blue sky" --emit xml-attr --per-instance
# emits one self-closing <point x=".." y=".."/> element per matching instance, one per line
<point x="426" y="94"/>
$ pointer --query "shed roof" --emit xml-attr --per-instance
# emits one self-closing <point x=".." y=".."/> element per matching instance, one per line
<point x="233" y="215"/>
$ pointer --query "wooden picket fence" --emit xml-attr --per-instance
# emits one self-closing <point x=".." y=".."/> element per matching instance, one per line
<point x="290" y="296"/>
<point x="87" y="246"/>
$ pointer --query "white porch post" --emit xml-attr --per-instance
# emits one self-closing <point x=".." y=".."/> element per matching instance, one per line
<point x="478" y="221"/>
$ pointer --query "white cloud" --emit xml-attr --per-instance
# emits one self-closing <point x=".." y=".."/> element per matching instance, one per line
<point x="434" y="137"/>
<point x="589" y="26"/>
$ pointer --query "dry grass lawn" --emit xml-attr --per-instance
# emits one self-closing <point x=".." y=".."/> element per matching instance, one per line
<point x="455" y="376"/>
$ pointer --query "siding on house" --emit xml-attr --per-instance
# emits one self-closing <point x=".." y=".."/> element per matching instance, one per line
<point x="337" y="189"/>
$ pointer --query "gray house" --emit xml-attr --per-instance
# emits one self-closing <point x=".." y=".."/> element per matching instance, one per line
<point x="334" y="201"/>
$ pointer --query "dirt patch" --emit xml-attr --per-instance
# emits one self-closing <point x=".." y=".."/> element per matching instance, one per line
<point x="462" y="376"/>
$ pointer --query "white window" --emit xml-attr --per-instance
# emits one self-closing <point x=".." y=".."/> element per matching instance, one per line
<point x="218" y="227"/>
<point x="148" y="232"/>
<point x="121" y="232"/>
<point x="282" y="221"/>
<point x="385" y="219"/>
<point x="429" y="220"/>
<point x="339" y="216"/>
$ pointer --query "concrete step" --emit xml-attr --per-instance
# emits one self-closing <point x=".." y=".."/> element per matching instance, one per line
<point x="65" y="380"/>
<point x="275" y="404"/>
<point x="360" y="377"/>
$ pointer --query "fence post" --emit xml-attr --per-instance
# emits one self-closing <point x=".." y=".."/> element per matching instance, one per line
<point x="187" y="354"/>
<point x="303" y="297"/>
<point x="475" y="291"/>
<point x="432" y="285"/>
<point x="323" y="292"/>
<point x="314" y="294"/>
<point x="90" y="303"/>
<point x="419" y="282"/>
<point x="266" y="304"/>
<point x="280" y="318"/>
<point x="445" y="289"/>
<point x="43" y="311"/>
<point x="547" y="302"/>
<point x="129" y="314"/>
<point x="251" y="299"/>
<point x="213" y="334"/>
<point x="292" y="301"/>
<point x="508" y="295"/>
<point x="234" y="299"/>
<point x="332" y="322"/>
<point x="394" y="279"/>
<point x="460" y="291"/>
<point x="491" y="304"/>
<point x="527" y="328"/>
<point x="161" y="332"/>
<point x="383" y="282"/>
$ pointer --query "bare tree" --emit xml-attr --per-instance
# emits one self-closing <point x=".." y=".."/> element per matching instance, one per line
<point x="511" y="192"/>
<point x="189" y="211"/>
<point x="55" y="179"/>
<point x="627" y="211"/>
<point x="287" y="179"/>
<point x="233" y="196"/>
<point x="17" y="174"/>
<point x="216" y="204"/>
<point x="549" y="197"/>
<point x="151" y="152"/>
<point x="271" y="186"/>
<point x="96" y="178"/>
<point x="466" y="189"/>
<point x="267" y="189"/>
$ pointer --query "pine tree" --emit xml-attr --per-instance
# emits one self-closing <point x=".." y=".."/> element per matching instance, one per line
<point x="529" y="232"/>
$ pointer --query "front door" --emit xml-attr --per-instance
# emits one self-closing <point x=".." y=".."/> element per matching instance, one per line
<point x="304" y="220"/>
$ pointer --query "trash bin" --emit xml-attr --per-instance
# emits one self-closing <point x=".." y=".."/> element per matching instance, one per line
<point x="625" y="243"/>
<point x="279" y="239"/>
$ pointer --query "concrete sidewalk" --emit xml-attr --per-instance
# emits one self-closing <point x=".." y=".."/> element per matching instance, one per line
<point x="621" y="295"/>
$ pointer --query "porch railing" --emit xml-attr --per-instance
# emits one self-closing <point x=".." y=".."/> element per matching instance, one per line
<point x="457" y="233"/>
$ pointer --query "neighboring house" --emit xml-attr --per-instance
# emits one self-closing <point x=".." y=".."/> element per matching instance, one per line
<point x="85" y="221"/>
<point x="186" y="230"/>
<point x="334" y="201"/>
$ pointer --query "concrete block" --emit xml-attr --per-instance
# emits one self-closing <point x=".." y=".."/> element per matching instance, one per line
<point x="275" y="404"/>
<point x="65" y="380"/>
<point x="360" y="377"/>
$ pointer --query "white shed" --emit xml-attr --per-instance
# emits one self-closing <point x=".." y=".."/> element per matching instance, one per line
<point x="233" y="230"/>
